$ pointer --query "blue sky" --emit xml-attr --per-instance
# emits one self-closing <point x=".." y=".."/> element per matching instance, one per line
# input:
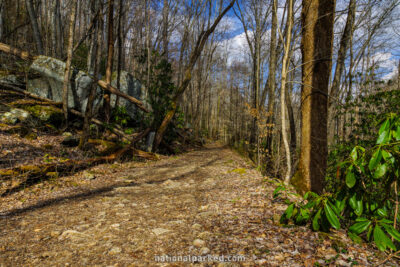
<point x="386" y="54"/>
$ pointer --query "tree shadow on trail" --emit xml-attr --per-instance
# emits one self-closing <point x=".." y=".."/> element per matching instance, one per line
<point x="70" y="169"/>
<point x="31" y="178"/>
<point x="93" y="193"/>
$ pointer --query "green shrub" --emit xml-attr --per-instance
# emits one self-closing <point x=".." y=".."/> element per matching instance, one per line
<point x="364" y="200"/>
<point x="160" y="91"/>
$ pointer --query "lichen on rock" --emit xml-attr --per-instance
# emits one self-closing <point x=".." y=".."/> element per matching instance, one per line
<point x="47" y="114"/>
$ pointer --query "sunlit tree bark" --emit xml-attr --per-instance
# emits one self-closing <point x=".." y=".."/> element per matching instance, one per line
<point x="316" y="46"/>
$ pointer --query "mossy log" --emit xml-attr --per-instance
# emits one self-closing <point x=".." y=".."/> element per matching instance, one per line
<point x="30" y="102"/>
<point x="107" y="147"/>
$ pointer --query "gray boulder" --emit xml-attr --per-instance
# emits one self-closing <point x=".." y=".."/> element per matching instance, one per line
<point x="14" y="115"/>
<point x="51" y="83"/>
<point x="12" y="79"/>
<point x="130" y="86"/>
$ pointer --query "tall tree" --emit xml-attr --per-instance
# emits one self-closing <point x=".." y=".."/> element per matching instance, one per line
<point x="97" y="37"/>
<point x="110" y="55"/>
<point x="254" y="20"/>
<point x="120" y="41"/>
<point x="270" y="85"/>
<point x="165" y="14"/>
<point x="316" y="47"/>
<point x="195" y="54"/>
<point x="57" y="36"/>
<point x="340" y="65"/>
<point x="1" y="18"/>
<point x="67" y="71"/>
<point x="35" y="26"/>
<point x="285" y="68"/>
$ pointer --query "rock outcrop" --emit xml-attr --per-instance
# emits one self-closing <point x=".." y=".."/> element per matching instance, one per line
<point x="50" y="85"/>
<point x="130" y="86"/>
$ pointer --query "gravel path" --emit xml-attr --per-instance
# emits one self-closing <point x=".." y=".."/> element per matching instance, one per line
<point x="208" y="203"/>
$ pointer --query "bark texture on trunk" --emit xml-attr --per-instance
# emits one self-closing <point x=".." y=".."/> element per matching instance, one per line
<point x="316" y="46"/>
<point x="285" y="65"/>
<point x="340" y="65"/>
<point x="271" y="84"/>
<point x="35" y="26"/>
<point x="89" y="107"/>
<point x="165" y="14"/>
<point x="69" y="59"/>
<point x="57" y="40"/>
<point x="1" y="19"/>
<point x="110" y="55"/>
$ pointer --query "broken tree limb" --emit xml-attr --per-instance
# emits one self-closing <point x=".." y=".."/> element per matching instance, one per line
<point x="10" y="87"/>
<point x="117" y="92"/>
<point x="29" y="102"/>
<point x="108" y="87"/>
<point x="37" y="171"/>
<point x="129" y="147"/>
<point x="16" y="52"/>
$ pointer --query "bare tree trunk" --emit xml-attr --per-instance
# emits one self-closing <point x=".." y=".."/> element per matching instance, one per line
<point x="119" y="62"/>
<point x="110" y="55"/>
<point x="271" y="84"/>
<point x="35" y="26"/>
<point x="350" y="86"/>
<point x="92" y="94"/>
<point x="60" y="35"/>
<point x="285" y="68"/>
<point x="1" y="19"/>
<point x="107" y="87"/>
<point x="54" y="36"/>
<point x="316" y="46"/>
<point x="165" y="14"/>
<point x="93" y="39"/>
<point x="69" y="59"/>
<point x="291" y="117"/>
<point x="188" y="76"/>
<point x="340" y="64"/>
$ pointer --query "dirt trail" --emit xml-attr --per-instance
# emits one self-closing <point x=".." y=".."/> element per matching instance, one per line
<point x="206" y="202"/>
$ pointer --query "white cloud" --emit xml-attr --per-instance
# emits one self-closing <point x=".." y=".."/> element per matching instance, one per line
<point x="229" y="24"/>
<point x="387" y="63"/>
<point x="236" y="48"/>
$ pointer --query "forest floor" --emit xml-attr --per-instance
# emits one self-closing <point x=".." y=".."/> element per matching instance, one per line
<point x="205" y="202"/>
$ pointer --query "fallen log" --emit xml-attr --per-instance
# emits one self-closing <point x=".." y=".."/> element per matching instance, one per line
<point x="10" y="87"/>
<point x="27" y="56"/>
<point x="118" y="132"/>
<point x="26" y="102"/>
<point x="129" y="147"/>
<point x="16" y="52"/>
